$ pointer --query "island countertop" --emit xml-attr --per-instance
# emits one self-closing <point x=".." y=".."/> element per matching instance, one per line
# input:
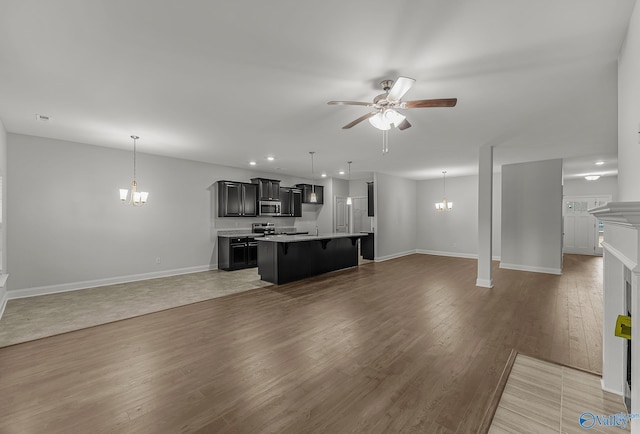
<point x="285" y="258"/>
<point x="308" y="237"/>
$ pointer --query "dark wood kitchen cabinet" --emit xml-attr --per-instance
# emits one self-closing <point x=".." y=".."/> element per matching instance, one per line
<point x="370" y="199"/>
<point x="366" y="246"/>
<point x="237" y="199"/>
<point x="268" y="189"/>
<point x="291" y="200"/>
<point x="307" y="189"/>
<point x="235" y="253"/>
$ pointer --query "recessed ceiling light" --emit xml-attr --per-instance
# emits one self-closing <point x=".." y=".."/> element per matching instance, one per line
<point x="599" y="163"/>
<point x="592" y="177"/>
<point x="252" y="163"/>
<point x="324" y="175"/>
<point x="341" y="172"/>
<point x="270" y="158"/>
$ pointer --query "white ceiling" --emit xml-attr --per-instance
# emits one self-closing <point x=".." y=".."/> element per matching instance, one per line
<point x="230" y="82"/>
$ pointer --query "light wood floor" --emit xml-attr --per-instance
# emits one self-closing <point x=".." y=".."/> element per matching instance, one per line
<point x="543" y="397"/>
<point x="407" y="345"/>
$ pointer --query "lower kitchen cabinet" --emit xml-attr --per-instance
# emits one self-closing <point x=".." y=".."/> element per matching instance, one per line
<point x="235" y="253"/>
<point x="366" y="246"/>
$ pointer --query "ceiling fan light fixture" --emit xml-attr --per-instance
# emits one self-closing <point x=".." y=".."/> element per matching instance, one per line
<point x="393" y="117"/>
<point x="379" y="121"/>
<point x="385" y="119"/>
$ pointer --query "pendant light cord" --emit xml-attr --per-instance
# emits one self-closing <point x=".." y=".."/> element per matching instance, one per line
<point x="444" y="183"/>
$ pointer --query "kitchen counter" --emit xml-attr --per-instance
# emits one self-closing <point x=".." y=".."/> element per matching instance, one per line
<point x="286" y="258"/>
<point x="308" y="237"/>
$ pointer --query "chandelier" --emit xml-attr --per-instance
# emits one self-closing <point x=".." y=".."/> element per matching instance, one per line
<point x="133" y="197"/>
<point x="444" y="205"/>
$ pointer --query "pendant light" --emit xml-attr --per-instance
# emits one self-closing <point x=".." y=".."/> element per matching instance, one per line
<point x="349" y="201"/>
<point x="135" y="197"/>
<point x="444" y="205"/>
<point x="313" y="198"/>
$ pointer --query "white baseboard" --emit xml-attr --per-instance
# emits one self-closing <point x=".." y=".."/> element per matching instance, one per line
<point x="519" y="267"/>
<point x="453" y="254"/>
<point x="615" y="392"/>
<point x="395" y="255"/>
<point x="484" y="283"/>
<point x="73" y="286"/>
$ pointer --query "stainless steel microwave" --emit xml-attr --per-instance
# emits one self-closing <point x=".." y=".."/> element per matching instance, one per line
<point x="269" y="207"/>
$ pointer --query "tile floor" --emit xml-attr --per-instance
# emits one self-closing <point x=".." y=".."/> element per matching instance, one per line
<point x="542" y="397"/>
<point x="26" y="319"/>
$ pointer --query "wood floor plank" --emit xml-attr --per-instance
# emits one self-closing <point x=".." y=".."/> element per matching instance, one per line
<point x="406" y="345"/>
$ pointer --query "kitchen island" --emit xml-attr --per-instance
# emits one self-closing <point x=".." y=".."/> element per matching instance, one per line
<point x="286" y="258"/>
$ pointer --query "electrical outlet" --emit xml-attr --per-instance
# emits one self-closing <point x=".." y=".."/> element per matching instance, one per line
<point x="158" y="260"/>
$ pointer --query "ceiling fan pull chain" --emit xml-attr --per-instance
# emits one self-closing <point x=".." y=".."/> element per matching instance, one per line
<point x="385" y="142"/>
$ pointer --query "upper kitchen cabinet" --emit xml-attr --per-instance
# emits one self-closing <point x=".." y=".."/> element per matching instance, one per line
<point x="237" y="199"/>
<point x="268" y="189"/>
<point x="307" y="189"/>
<point x="291" y="199"/>
<point x="370" y="199"/>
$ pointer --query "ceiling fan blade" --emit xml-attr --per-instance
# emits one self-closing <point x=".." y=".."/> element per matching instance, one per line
<point x="446" y="102"/>
<point x="360" y="119"/>
<point x="366" y="104"/>
<point x="404" y="125"/>
<point x="399" y="88"/>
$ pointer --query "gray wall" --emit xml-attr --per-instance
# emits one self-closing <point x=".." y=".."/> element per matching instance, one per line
<point x="358" y="187"/>
<point x="395" y="216"/>
<point x="532" y="216"/>
<point x="606" y="185"/>
<point x="69" y="229"/>
<point x="629" y="112"/>
<point x="3" y="211"/>
<point x="454" y="233"/>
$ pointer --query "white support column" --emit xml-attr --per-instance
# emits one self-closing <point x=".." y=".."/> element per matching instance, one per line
<point x="485" y="218"/>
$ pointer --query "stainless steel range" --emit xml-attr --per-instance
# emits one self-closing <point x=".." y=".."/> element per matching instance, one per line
<point x="263" y="228"/>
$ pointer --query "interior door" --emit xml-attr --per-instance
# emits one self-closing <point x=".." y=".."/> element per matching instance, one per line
<point x="582" y="232"/>
<point x="341" y="217"/>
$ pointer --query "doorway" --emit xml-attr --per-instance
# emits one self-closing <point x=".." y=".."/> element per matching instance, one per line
<point x="341" y="215"/>
<point x="583" y="233"/>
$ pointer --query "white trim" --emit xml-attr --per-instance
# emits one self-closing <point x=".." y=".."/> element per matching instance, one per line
<point x="3" y="302"/>
<point x="395" y="255"/>
<point x="73" y="286"/>
<point x="529" y="268"/>
<point x="627" y="262"/>
<point x="453" y="254"/>
<point x="485" y="283"/>
<point x="606" y="389"/>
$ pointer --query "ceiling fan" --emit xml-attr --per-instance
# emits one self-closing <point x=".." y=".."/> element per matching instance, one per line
<point x="385" y="105"/>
